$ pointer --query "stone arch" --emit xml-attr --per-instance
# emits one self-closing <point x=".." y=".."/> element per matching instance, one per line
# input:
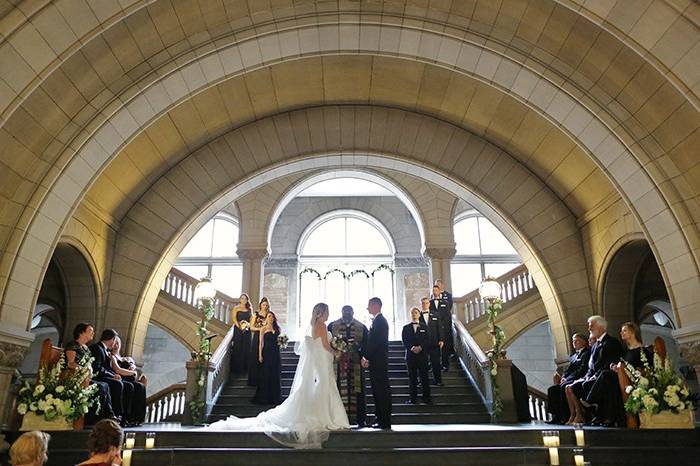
<point x="82" y="287"/>
<point x="137" y="240"/>
<point x="609" y="150"/>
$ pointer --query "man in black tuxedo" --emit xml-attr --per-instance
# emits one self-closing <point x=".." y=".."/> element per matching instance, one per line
<point x="431" y="318"/>
<point x="444" y="305"/>
<point x="121" y="391"/>
<point x="606" y="350"/>
<point x="415" y="340"/>
<point x="578" y="366"/>
<point x="376" y="358"/>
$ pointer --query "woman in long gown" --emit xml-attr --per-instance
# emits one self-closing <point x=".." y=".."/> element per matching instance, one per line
<point x="257" y="322"/>
<point x="269" y="391"/>
<point x="240" y="316"/>
<point x="314" y="407"/>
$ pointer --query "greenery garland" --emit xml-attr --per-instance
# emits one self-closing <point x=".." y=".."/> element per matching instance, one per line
<point x="333" y="271"/>
<point x="382" y="267"/>
<point x="202" y="358"/>
<point x="493" y="307"/>
<point x="346" y="276"/>
<point x="310" y="270"/>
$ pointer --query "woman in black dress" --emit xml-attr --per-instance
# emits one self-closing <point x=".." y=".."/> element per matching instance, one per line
<point x="605" y="397"/>
<point x="240" y="316"/>
<point x="267" y="351"/>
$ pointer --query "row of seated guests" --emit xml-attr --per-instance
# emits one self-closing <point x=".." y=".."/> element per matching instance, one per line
<point x="122" y="392"/>
<point x="589" y="391"/>
<point x="104" y="446"/>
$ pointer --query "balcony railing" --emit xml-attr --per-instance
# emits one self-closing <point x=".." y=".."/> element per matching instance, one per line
<point x="167" y="405"/>
<point x="181" y="286"/>
<point x="537" y="401"/>
<point x="514" y="284"/>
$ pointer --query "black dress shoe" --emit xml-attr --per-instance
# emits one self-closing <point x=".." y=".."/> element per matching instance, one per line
<point x="409" y="402"/>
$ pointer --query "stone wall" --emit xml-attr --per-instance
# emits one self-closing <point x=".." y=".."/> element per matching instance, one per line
<point x="533" y="353"/>
<point x="163" y="359"/>
<point x="276" y="288"/>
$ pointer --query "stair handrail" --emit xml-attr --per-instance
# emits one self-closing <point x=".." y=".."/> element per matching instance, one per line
<point x="474" y="362"/>
<point x="514" y="284"/>
<point x="166" y="405"/>
<point x="537" y="402"/>
<point x="180" y="286"/>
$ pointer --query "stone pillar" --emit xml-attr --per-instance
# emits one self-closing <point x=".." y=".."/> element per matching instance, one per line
<point x="688" y="339"/>
<point x="252" y="272"/>
<point x="14" y="344"/>
<point x="440" y="260"/>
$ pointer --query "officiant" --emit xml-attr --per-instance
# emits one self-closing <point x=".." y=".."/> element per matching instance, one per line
<point x="349" y="373"/>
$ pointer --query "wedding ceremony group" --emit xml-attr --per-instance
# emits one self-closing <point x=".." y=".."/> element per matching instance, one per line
<point x="345" y="232"/>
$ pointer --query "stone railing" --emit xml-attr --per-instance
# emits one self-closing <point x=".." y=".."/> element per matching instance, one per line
<point x="537" y="401"/>
<point x="219" y="367"/>
<point x="514" y="284"/>
<point x="167" y="405"/>
<point x="475" y="362"/>
<point x="181" y="286"/>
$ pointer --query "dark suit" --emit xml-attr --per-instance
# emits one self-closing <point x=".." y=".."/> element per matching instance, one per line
<point x="121" y="392"/>
<point x="443" y="306"/>
<point x="435" y="336"/>
<point x="603" y="353"/>
<point x="416" y="364"/>
<point x="377" y="353"/>
<point x="578" y="366"/>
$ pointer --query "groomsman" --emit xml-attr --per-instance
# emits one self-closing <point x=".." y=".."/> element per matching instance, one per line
<point x="376" y="358"/>
<point x="431" y="319"/>
<point x="415" y="341"/>
<point x="446" y="314"/>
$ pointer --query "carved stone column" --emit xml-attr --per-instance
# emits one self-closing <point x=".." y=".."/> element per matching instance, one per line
<point x="14" y="344"/>
<point x="688" y="339"/>
<point x="252" y="272"/>
<point x="440" y="259"/>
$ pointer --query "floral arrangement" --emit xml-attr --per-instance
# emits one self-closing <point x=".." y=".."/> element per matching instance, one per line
<point x="340" y="344"/>
<point x="202" y="356"/>
<point x="282" y="341"/>
<point x="498" y="336"/>
<point x="58" y="392"/>
<point x="245" y="325"/>
<point x="657" y="388"/>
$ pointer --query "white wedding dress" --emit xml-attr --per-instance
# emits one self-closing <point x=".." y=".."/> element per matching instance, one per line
<point x="313" y="408"/>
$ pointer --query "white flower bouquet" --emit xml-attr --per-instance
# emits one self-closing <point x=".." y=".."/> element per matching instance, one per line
<point x="58" y="392"/>
<point x="340" y="344"/>
<point x="656" y="388"/>
<point x="282" y="341"/>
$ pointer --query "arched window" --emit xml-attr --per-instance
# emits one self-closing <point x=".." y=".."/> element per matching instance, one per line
<point x="345" y="257"/>
<point x="482" y="251"/>
<point x="212" y="252"/>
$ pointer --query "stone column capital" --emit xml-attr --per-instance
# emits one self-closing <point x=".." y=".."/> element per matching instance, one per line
<point x="252" y="253"/>
<point x="443" y="252"/>
<point x="14" y="345"/>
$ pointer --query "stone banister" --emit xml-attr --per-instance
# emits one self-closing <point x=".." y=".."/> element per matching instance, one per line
<point x="181" y="286"/>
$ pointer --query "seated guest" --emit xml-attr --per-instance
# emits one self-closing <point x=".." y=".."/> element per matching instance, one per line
<point x="30" y="449"/>
<point x="605" y="351"/>
<point x="415" y="341"/>
<point x="105" y="444"/>
<point x="77" y="351"/>
<point x="121" y="391"/>
<point x="578" y="365"/>
<point x="605" y="398"/>
<point x="126" y="368"/>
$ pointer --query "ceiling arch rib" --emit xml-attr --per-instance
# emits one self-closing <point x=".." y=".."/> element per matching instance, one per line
<point x="555" y="102"/>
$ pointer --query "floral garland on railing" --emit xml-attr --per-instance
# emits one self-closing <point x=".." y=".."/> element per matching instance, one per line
<point x="493" y="307"/>
<point x="358" y="272"/>
<point x="349" y="275"/>
<point x="202" y="368"/>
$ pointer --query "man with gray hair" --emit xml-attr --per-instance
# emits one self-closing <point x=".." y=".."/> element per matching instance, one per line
<point x="605" y="351"/>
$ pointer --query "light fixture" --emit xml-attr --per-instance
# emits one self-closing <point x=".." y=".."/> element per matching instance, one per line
<point x="150" y="439"/>
<point x="661" y="318"/>
<point x="204" y="291"/>
<point x="580" y="439"/>
<point x="550" y="439"/>
<point x="578" y="457"/>
<point x="490" y="289"/>
<point x="129" y="440"/>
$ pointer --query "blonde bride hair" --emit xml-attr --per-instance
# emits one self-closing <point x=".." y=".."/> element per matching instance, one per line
<point x="318" y="311"/>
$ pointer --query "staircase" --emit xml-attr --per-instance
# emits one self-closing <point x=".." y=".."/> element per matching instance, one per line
<point x="457" y="402"/>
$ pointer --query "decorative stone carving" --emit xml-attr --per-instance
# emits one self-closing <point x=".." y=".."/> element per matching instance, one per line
<point x="257" y="253"/>
<point x="281" y="263"/>
<point x="411" y="262"/>
<point x="691" y="352"/>
<point x="11" y="354"/>
<point x="440" y="253"/>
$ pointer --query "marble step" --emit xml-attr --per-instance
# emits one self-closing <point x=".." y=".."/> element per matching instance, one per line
<point x="397" y="408"/>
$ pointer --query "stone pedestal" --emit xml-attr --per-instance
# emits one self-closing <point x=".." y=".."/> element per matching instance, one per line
<point x="504" y="380"/>
<point x="14" y="344"/>
<point x="252" y="272"/>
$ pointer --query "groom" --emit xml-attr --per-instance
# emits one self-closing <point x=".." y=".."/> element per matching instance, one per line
<point x="376" y="358"/>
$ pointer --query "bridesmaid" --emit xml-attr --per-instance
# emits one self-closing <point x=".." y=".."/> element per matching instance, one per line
<point x="269" y="391"/>
<point x="257" y="322"/>
<point x="240" y="316"/>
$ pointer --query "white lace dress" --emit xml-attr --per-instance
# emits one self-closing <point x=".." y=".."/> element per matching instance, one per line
<point x="311" y="411"/>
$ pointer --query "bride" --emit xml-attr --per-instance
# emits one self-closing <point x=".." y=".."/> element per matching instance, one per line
<point x="314" y="407"/>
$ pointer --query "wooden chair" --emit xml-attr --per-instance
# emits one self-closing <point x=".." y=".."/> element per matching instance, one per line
<point x="49" y="357"/>
<point x="659" y="347"/>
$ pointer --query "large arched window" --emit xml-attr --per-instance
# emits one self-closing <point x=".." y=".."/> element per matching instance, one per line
<point x="482" y="251"/>
<point x="212" y="252"/>
<point x="345" y="257"/>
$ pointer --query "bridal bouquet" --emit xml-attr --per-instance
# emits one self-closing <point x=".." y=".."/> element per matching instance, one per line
<point x="656" y="388"/>
<point x="282" y="341"/>
<point x="340" y="344"/>
<point x="58" y="392"/>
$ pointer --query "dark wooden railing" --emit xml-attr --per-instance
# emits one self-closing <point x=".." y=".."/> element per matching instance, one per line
<point x="181" y="286"/>
<point x="167" y="405"/>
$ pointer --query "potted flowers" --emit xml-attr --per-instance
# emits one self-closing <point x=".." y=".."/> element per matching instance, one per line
<point x="57" y="398"/>
<point x="659" y="396"/>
